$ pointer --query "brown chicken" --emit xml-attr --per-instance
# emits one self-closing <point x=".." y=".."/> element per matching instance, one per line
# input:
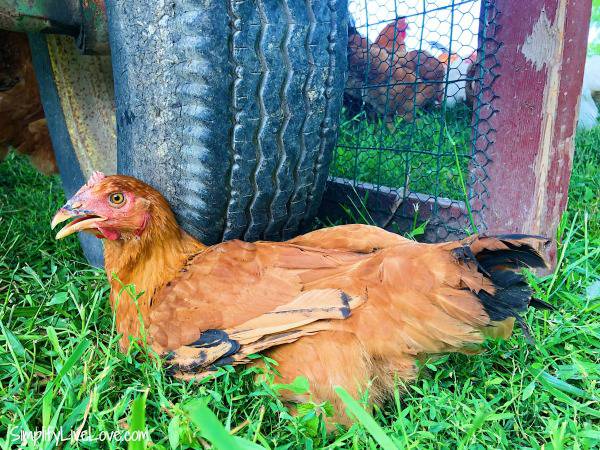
<point x="341" y="305"/>
<point x="430" y="70"/>
<point x="386" y="80"/>
<point x="393" y="35"/>
<point x="357" y="53"/>
<point x="22" y="122"/>
<point x="397" y="85"/>
<point x="420" y="63"/>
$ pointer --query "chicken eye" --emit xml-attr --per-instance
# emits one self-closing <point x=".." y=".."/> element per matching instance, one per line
<point x="116" y="198"/>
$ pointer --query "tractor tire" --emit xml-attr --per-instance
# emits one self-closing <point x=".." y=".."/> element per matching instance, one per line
<point x="230" y="108"/>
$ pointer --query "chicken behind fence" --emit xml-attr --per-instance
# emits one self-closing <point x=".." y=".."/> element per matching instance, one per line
<point x="388" y="81"/>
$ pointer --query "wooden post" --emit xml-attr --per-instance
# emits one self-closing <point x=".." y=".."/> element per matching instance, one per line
<point x="532" y="115"/>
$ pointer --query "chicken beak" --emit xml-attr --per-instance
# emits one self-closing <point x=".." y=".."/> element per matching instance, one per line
<point x="60" y="216"/>
<point x="81" y="222"/>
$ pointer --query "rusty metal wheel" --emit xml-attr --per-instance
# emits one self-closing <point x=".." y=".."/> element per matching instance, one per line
<point x="78" y="98"/>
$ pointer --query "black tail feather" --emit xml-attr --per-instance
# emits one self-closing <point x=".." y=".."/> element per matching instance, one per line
<point x="506" y="278"/>
<point x="540" y="304"/>
<point x="513" y="295"/>
<point x="517" y="257"/>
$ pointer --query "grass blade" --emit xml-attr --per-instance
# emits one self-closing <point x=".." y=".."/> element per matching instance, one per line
<point x="476" y="425"/>
<point x="561" y="385"/>
<point x="213" y="430"/>
<point x="137" y="422"/>
<point x="70" y="362"/>
<point x="366" y="420"/>
<point x="461" y="179"/>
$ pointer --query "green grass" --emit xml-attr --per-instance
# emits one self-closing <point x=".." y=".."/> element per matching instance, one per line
<point x="594" y="46"/>
<point x="418" y="155"/>
<point x="59" y="364"/>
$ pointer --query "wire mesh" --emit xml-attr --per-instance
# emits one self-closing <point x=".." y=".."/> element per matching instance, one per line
<point x="413" y="135"/>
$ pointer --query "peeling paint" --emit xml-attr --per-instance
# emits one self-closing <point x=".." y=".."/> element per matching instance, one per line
<point x="554" y="32"/>
<point x="540" y="46"/>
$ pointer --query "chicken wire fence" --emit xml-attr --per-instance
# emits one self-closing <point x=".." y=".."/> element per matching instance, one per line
<point x="414" y="132"/>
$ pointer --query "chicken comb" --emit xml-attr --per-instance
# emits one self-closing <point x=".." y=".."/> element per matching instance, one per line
<point x="95" y="178"/>
<point x="401" y="24"/>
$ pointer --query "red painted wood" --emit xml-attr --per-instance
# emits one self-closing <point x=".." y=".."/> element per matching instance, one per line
<point x="533" y="115"/>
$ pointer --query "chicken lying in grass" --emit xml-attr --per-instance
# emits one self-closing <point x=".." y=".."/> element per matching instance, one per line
<point x="341" y="305"/>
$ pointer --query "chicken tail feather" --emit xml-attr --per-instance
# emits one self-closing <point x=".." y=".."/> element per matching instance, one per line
<point x="500" y="258"/>
<point x="540" y="304"/>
